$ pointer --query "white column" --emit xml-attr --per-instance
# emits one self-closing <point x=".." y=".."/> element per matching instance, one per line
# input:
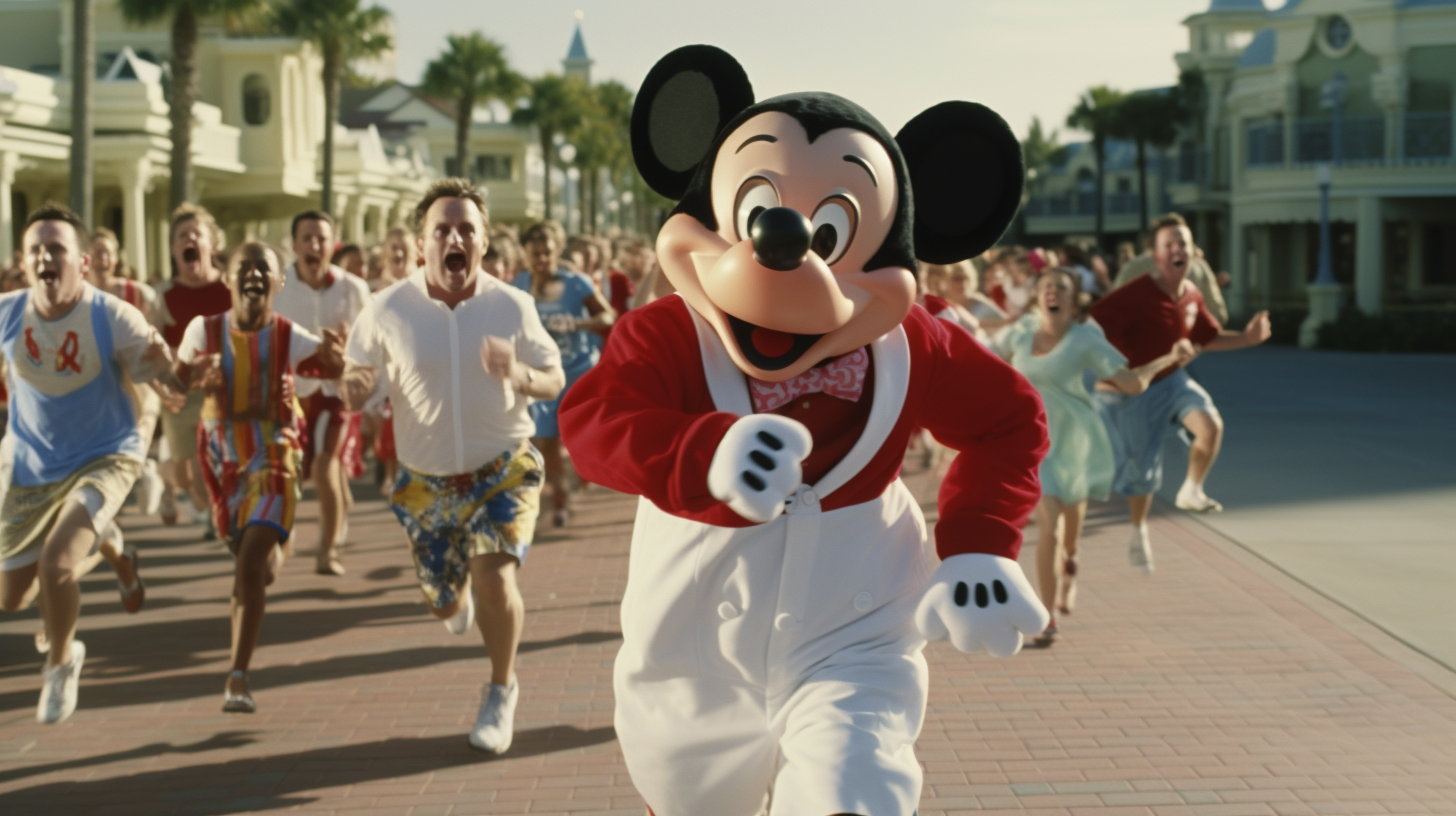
<point x="134" y="177"/>
<point x="1369" y="256"/>
<point x="1243" y="265"/>
<point x="163" y="230"/>
<point x="8" y="163"/>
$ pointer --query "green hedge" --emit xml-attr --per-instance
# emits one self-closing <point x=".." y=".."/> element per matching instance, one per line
<point x="1357" y="331"/>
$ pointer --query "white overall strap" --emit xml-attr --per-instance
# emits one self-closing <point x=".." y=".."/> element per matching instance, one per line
<point x="727" y="384"/>
<point x="892" y="381"/>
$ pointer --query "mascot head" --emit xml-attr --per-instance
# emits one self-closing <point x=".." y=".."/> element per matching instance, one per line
<point x="800" y="218"/>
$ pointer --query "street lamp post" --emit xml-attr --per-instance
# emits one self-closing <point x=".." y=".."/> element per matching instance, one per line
<point x="1325" y="293"/>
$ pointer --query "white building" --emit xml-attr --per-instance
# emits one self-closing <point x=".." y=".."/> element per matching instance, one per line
<point x="257" y="133"/>
<point x="1245" y="172"/>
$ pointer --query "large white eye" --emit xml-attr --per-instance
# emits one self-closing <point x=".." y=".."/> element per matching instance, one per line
<point x="755" y="196"/>
<point x="834" y="224"/>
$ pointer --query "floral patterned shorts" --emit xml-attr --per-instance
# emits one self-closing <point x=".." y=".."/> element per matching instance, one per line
<point x="451" y="519"/>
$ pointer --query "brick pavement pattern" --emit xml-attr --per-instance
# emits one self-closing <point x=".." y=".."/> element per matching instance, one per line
<point x="1203" y="690"/>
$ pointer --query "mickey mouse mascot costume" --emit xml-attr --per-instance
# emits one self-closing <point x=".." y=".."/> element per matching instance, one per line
<point x="781" y="588"/>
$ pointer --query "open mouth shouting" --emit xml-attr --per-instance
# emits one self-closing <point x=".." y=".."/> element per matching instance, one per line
<point x="191" y="255"/>
<point x="49" y="277"/>
<point x="456" y="262"/>
<point x="769" y="349"/>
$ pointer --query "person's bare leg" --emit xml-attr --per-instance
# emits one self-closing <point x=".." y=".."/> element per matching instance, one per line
<point x="1072" y="517"/>
<point x="1207" y="431"/>
<point x="346" y="502"/>
<point x="1048" y="542"/>
<point x="1139" y="507"/>
<point x="18" y="587"/>
<point x="1140" y="548"/>
<point x="500" y="612"/>
<point x="550" y="448"/>
<point x="196" y="488"/>
<point x="64" y="561"/>
<point x="255" y="570"/>
<point x="326" y="483"/>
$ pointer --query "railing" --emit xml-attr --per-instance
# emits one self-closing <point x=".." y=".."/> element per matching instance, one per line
<point x="1428" y="136"/>
<point x="1362" y="139"/>
<point x="1084" y="204"/>
<point x="1265" y="144"/>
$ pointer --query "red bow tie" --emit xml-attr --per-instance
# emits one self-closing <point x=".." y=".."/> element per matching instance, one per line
<point x="843" y="378"/>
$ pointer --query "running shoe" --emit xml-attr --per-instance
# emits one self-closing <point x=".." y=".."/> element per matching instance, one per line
<point x="328" y="563"/>
<point x="59" y="686"/>
<point x="241" y="703"/>
<point x="1140" y="550"/>
<point x="495" y="724"/>
<point x="1047" y="637"/>
<point x="1194" y="500"/>
<point x="464" y="618"/>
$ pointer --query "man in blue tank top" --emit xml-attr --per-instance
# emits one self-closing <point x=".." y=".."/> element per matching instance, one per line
<point x="72" y="353"/>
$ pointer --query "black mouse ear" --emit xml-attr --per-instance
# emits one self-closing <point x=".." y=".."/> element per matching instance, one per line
<point x="687" y="97"/>
<point x="966" y="172"/>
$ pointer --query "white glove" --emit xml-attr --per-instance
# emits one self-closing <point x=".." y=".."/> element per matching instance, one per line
<point x="981" y="601"/>
<point x="757" y="465"/>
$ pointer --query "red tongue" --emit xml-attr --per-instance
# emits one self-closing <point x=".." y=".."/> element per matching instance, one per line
<point x="772" y="343"/>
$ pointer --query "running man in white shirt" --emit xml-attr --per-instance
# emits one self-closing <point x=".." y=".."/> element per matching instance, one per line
<point x="72" y="352"/>
<point x="317" y="296"/>
<point x="461" y="353"/>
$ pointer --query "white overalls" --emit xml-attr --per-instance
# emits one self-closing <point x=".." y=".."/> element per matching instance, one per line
<point x="778" y="666"/>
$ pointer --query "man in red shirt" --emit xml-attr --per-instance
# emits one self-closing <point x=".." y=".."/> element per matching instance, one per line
<point x="1143" y="320"/>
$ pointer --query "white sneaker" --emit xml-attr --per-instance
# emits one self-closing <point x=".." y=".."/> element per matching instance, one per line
<point x="1140" y="550"/>
<point x="58" y="687"/>
<point x="464" y="618"/>
<point x="495" y="724"/>
<point x="150" y="489"/>
<point x="1194" y="500"/>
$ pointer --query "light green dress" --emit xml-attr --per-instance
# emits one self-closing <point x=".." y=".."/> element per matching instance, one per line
<point x="1079" y="464"/>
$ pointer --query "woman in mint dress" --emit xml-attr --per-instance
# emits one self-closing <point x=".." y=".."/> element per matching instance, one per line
<point x="1052" y="346"/>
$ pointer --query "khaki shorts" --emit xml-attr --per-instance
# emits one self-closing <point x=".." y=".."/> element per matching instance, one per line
<point x="179" y="430"/>
<point x="29" y="513"/>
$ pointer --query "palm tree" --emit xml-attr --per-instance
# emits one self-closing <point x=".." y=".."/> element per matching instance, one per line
<point x="83" y="79"/>
<point x="603" y="142"/>
<point x="1148" y="118"/>
<point x="184" y="14"/>
<point x="1096" y="113"/>
<point x="557" y="105"/>
<point x="474" y="72"/>
<point x="343" y="31"/>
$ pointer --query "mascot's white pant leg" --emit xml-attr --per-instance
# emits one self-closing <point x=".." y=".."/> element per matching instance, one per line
<point x="781" y="657"/>
<point x="848" y="740"/>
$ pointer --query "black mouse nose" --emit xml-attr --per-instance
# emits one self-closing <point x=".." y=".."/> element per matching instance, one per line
<point x="781" y="238"/>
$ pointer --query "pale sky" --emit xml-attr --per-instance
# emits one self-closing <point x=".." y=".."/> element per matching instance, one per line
<point x="895" y="58"/>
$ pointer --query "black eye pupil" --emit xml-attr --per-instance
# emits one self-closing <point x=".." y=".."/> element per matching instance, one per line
<point x="753" y="215"/>
<point x="826" y="238"/>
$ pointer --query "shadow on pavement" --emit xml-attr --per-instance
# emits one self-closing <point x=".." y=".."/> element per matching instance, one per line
<point x="270" y="782"/>
<point x="151" y="690"/>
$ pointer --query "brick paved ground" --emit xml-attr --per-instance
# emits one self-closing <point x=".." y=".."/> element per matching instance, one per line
<point x="1206" y="689"/>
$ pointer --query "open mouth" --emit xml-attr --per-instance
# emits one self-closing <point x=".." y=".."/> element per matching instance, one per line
<point x="455" y="262"/>
<point x="258" y="289"/>
<point x="769" y="349"/>
<point x="48" y="276"/>
<point x="191" y="255"/>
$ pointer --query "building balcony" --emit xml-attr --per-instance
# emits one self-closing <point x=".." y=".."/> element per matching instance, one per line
<point x="1424" y="138"/>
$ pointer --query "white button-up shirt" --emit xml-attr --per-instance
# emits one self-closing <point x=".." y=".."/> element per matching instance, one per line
<point x="318" y="309"/>
<point x="450" y="417"/>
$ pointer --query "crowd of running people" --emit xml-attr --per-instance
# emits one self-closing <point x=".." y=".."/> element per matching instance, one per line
<point x="440" y="355"/>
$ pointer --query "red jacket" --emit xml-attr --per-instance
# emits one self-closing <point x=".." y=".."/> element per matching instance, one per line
<point x="642" y="422"/>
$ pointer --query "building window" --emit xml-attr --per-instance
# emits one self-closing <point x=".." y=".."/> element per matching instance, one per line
<point x="1440" y="255"/>
<point x="1337" y="33"/>
<point x="492" y="168"/>
<point x="257" y="102"/>
<point x="452" y="166"/>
